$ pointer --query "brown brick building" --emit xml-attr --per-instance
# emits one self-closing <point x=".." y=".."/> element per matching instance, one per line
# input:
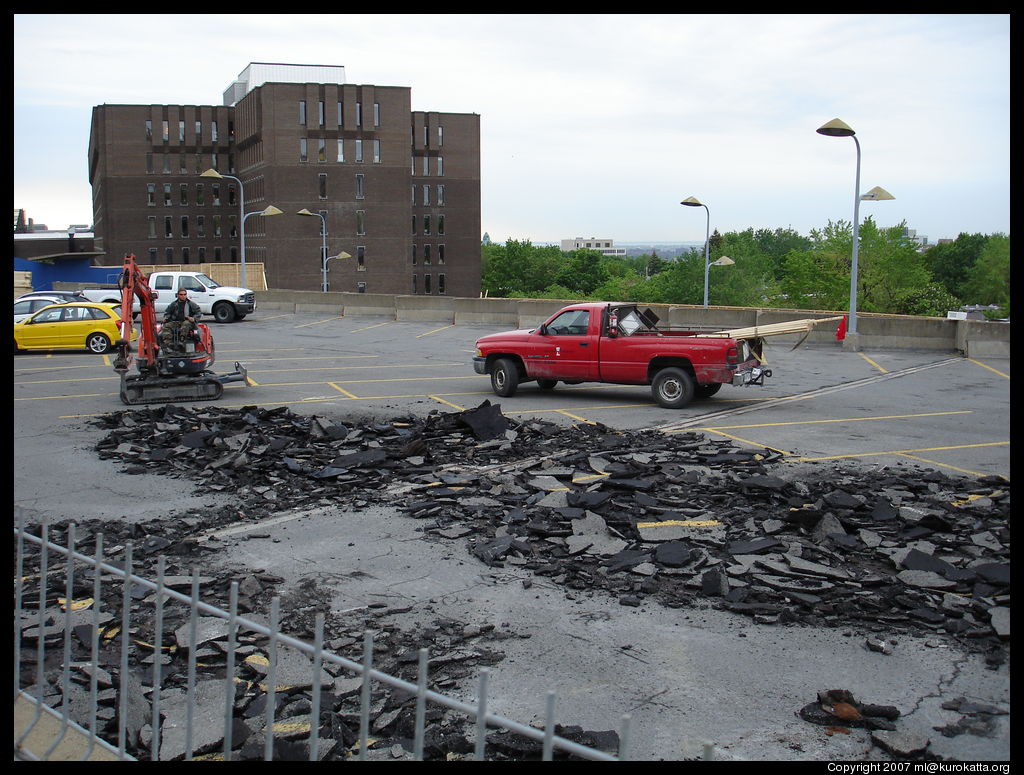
<point x="399" y="189"/>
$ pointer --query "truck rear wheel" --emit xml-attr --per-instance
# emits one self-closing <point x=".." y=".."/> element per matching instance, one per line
<point x="673" y="388"/>
<point x="504" y="377"/>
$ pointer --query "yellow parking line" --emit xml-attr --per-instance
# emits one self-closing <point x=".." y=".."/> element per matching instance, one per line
<point x="447" y="403"/>
<point x="989" y="368"/>
<point x="318" y="322"/>
<point x="905" y="451"/>
<point x="747" y="441"/>
<point x="375" y="325"/>
<point x="575" y="417"/>
<point x="884" y="371"/>
<point x="942" y="465"/>
<point x="342" y="390"/>
<point x="428" y="333"/>
<point x="838" y="419"/>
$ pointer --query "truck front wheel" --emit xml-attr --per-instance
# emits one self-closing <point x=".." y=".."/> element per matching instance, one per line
<point x="673" y="388"/>
<point x="504" y="377"/>
<point x="223" y="312"/>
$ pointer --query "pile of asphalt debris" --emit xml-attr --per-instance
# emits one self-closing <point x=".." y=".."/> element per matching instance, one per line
<point x="650" y="518"/>
<point x="673" y="518"/>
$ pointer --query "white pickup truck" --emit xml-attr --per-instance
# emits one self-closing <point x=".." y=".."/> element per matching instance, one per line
<point x="225" y="303"/>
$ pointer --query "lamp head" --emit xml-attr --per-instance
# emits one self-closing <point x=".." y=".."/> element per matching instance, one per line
<point x="692" y="201"/>
<point x="271" y="210"/>
<point x="723" y="261"/>
<point x="211" y="173"/>
<point x="877" y="194"/>
<point x="304" y="211"/>
<point x="836" y="128"/>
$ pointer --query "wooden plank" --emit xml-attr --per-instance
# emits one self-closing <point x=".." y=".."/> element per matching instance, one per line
<point x="774" y="329"/>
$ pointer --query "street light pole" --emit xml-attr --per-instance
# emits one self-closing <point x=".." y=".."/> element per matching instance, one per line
<point x="692" y="201"/>
<point x="323" y="249"/>
<point x="838" y="128"/>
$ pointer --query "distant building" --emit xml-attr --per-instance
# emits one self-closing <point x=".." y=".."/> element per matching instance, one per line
<point x="603" y="245"/>
<point x="299" y="138"/>
<point x="911" y="234"/>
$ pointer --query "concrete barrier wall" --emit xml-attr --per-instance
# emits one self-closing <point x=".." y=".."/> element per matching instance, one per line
<point x="973" y="338"/>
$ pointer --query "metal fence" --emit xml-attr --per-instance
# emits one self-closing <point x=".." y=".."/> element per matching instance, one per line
<point x="96" y="708"/>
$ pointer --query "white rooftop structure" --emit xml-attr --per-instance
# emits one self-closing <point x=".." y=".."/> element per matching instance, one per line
<point x="259" y="73"/>
<point x="603" y="245"/>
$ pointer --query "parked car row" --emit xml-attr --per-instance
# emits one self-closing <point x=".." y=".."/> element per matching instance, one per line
<point x="57" y="321"/>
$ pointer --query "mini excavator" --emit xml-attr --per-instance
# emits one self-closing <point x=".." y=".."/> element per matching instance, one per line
<point x="176" y="371"/>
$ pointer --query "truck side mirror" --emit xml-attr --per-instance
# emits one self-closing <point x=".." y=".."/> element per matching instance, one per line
<point x="543" y="329"/>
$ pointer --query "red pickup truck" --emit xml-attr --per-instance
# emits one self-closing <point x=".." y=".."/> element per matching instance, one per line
<point x="620" y="344"/>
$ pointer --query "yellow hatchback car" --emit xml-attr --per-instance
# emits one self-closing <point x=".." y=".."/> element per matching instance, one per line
<point x="71" y="327"/>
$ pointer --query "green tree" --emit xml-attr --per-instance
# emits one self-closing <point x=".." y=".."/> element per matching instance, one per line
<point x="889" y="267"/>
<point x="988" y="281"/>
<point x="950" y="263"/>
<point x="582" y="271"/>
<point x="517" y="268"/>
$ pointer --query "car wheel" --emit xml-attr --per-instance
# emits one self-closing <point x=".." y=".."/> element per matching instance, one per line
<point x="97" y="343"/>
<point x="223" y="313"/>
<point x="673" y="388"/>
<point x="546" y="384"/>
<point x="504" y="377"/>
<point x="706" y="391"/>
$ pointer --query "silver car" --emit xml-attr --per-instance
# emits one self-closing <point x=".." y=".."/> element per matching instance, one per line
<point x="29" y="303"/>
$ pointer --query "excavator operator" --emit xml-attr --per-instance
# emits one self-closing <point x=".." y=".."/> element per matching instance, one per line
<point x="179" y="322"/>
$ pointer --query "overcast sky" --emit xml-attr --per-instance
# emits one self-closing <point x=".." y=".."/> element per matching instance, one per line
<point x="591" y="125"/>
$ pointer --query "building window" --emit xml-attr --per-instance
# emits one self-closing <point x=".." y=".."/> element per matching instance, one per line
<point x="166" y="130"/>
<point x="216" y="226"/>
<point x="341" y="150"/>
<point x="323" y="185"/>
<point x="341" y="115"/>
<point x="213" y="161"/>
<point x="440" y="224"/>
<point x="426" y="284"/>
<point x="200" y="197"/>
<point x="149" y="163"/>
<point x="440" y="136"/>
<point x="426" y="166"/>
<point x="415" y="258"/>
<point x="426" y="223"/>
<point x="376" y="151"/>
<point x="302" y="112"/>
<point x="233" y="227"/>
<point x="361" y="287"/>
<point x="200" y="229"/>
<point x="199" y="163"/>
<point x="359" y="114"/>
<point x="151" y="194"/>
<point x="167" y="194"/>
<point x="184" y="255"/>
<point x="303" y="156"/>
<point x="216" y="254"/>
<point x="152" y="227"/>
<point x="183" y="164"/>
<point x="149" y="130"/>
<point x="213" y="132"/>
<point x="376" y="114"/>
<point x="167" y="226"/>
<point x="426" y="255"/>
<point x="184" y="194"/>
<point x="440" y="283"/>
<point x="184" y="226"/>
<point x="167" y="164"/>
<point x="202" y="255"/>
<point x="359" y="186"/>
<point x="152" y="255"/>
<point x="320" y="113"/>
<point x="321" y="150"/>
<point x="361" y="257"/>
<point x="360" y="222"/>
<point x="199" y="132"/>
<point x="414" y="289"/>
<point x="440" y="254"/>
<point x="169" y="255"/>
<point x="440" y="166"/>
<point x="359" y="150"/>
<point x="231" y="194"/>
<point x="440" y="196"/>
<point x="414" y="225"/>
<point x="181" y="131"/>
<point x="426" y="195"/>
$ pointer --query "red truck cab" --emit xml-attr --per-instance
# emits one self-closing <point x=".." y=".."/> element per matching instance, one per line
<point x="620" y="344"/>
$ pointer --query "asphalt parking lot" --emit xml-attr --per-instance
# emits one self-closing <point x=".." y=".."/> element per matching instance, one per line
<point x="884" y="407"/>
<point x="686" y="678"/>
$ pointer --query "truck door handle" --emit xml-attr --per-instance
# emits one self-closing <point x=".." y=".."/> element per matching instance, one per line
<point x="584" y="344"/>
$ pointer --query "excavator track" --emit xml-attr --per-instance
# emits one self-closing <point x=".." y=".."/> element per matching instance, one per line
<point x="136" y="390"/>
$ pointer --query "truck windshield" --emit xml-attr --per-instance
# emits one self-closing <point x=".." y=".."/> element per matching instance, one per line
<point x="207" y="281"/>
